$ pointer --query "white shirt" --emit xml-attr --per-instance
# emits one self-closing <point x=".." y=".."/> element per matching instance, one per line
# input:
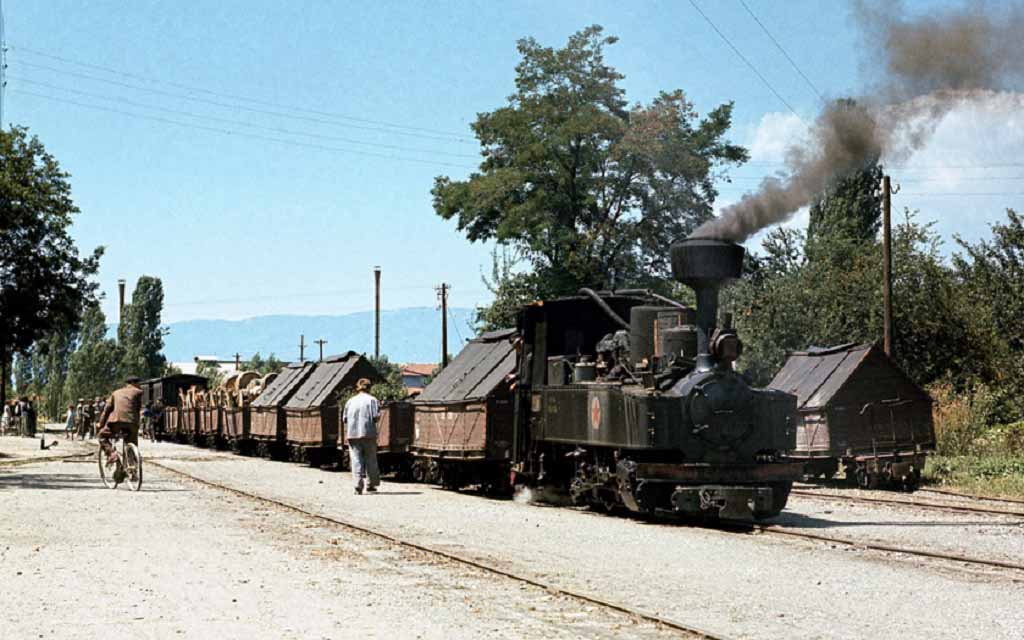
<point x="361" y="413"/>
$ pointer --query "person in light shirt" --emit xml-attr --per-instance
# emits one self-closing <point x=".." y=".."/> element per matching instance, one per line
<point x="360" y="416"/>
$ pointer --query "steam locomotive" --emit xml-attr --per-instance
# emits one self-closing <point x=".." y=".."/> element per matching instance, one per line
<point x="648" y="413"/>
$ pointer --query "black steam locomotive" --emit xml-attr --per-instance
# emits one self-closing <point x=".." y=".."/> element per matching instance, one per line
<point x="648" y="413"/>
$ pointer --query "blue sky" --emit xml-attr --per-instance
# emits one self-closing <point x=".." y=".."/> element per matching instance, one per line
<point x="244" y="225"/>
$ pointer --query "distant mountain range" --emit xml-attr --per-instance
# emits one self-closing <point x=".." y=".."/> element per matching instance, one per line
<point x="407" y="335"/>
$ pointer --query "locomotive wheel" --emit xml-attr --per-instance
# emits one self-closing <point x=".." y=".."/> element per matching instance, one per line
<point x="866" y="479"/>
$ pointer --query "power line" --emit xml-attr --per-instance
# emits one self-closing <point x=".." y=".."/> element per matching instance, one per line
<point x="308" y="294"/>
<point x="242" y="134"/>
<point x="126" y="74"/>
<point x="779" y="47"/>
<point x="744" y="59"/>
<point x="215" y="103"/>
<point x="239" y="122"/>
<point x="957" y="179"/>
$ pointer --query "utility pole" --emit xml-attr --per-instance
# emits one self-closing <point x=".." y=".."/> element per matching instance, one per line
<point x="321" y="343"/>
<point x="376" y="313"/>
<point x="442" y="295"/>
<point x="302" y="349"/>
<point x="887" y="265"/>
<point x="3" y="63"/>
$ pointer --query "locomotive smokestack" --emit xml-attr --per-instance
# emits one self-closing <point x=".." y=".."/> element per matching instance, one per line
<point x="706" y="265"/>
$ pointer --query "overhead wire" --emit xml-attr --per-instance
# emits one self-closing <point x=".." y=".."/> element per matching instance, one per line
<point x="242" y="134"/>
<point x="455" y="136"/>
<point x="241" y="123"/>
<point x="225" y="105"/>
<point x="783" y="51"/>
<point x="744" y="59"/>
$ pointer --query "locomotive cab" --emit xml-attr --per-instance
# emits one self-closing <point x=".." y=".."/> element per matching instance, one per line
<point x="648" y="413"/>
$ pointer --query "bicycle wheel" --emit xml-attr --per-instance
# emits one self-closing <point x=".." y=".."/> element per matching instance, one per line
<point x="106" y="472"/>
<point x="133" y="467"/>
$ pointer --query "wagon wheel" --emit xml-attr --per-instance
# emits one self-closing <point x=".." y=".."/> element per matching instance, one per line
<point x="865" y="479"/>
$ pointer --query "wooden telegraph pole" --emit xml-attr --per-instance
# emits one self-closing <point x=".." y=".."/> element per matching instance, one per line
<point x="887" y="265"/>
<point x="321" y="344"/>
<point x="376" y="313"/>
<point x="442" y="294"/>
<point x="302" y="349"/>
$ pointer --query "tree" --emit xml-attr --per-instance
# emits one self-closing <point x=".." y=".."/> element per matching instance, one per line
<point x="589" y="190"/>
<point x="212" y="372"/>
<point x="851" y="208"/>
<point x="992" y="277"/>
<point x="392" y="387"/>
<point x="511" y="288"/>
<point x="94" y="366"/>
<point x="52" y="359"/>
<point x="23" y="373"/>
<point x="140" y="333"/>
<point x="263" y="367"/>
<point x="44" y="282"/>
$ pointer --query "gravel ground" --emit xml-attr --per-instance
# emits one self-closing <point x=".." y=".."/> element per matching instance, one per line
<point x="16" y="448"/>
<point x="180" y="560"/>
<point x="733" y="584"/>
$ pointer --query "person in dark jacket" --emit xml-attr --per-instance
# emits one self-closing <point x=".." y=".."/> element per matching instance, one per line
<point x="121" y="415"/>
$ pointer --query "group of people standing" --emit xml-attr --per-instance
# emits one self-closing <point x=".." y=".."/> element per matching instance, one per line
<point x="83" y="419"/>
<point x="19" y="417"/>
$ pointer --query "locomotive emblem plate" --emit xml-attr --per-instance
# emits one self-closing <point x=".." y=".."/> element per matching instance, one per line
<point x="595" y="413"/>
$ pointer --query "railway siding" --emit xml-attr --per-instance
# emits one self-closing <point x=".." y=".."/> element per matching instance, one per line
<point x="727" y="583"/>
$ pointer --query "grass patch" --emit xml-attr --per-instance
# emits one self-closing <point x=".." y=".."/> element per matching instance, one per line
<point x="985" y="475"/>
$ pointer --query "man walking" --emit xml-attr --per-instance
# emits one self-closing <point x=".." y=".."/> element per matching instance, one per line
<point x="360" y="418"/>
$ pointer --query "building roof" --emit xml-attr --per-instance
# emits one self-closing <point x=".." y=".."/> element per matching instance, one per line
<point x="477" y="371"/>
<point x="815" y="376"/>
<point x="282" y="388"/>
<point x="416" y="369"/>
<point x="328" y="376"/>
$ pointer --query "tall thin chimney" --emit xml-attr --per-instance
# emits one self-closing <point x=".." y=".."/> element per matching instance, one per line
<point x="120" y="297"/>
<point x="376" y="313"/>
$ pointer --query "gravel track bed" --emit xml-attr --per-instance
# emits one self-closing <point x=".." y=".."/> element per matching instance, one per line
<point x="181" y="560"/>
<point x="736" y="585"/>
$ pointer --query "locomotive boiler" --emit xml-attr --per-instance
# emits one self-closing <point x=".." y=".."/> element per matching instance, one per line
<point x="648" y="413"/>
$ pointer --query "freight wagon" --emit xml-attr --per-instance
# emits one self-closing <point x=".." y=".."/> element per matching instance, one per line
<point x="859" y="413"/>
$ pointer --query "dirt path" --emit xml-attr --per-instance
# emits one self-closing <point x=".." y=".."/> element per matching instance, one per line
<point x="179" y="560"/>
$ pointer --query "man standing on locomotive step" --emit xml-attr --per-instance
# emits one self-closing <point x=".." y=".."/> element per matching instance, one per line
<point x="121" y="415"/>
<point x="360" y="418"/>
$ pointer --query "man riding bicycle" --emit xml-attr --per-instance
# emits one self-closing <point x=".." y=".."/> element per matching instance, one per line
<point x="121" y="416"/>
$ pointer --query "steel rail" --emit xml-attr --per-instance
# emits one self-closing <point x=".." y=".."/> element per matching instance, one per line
<point x="906" y="503"/>
<point x="17" y="462"/>
<point x="454" y="557"/>
<point x="948" y="492"/>
<point x="874" y="546"/>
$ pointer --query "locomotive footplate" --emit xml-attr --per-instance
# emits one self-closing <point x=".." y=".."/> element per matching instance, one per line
<point x="719" y="473"/>
<point x="734" y="503"/>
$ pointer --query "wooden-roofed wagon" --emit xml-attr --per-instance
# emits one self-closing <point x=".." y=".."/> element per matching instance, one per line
<point x="464" y="417"/>
<point x="266" y="413"/>
<point x="236" y="412"/>
<point x="857" y="411"/>
<point x="312" y="413"/>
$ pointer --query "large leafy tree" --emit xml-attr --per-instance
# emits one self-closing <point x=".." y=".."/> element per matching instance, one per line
<point x="140" y="333"/>
<point x="94" y="366"/>
<point x="992" y="277"/>
<point x="589" y="189"/>
<point x="51" y="359"/>
<point x="44" y="281"/>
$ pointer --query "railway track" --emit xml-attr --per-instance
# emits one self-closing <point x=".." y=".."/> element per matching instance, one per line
<point x="640" y="614"/>
<point x="947" y="492"/>
<point x="934" y="506"/>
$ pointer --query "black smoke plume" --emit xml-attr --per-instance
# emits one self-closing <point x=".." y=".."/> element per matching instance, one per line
<point x="925" y="67"/>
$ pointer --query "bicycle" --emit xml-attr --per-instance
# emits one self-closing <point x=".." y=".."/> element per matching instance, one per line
<point x="128" y="465"/>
